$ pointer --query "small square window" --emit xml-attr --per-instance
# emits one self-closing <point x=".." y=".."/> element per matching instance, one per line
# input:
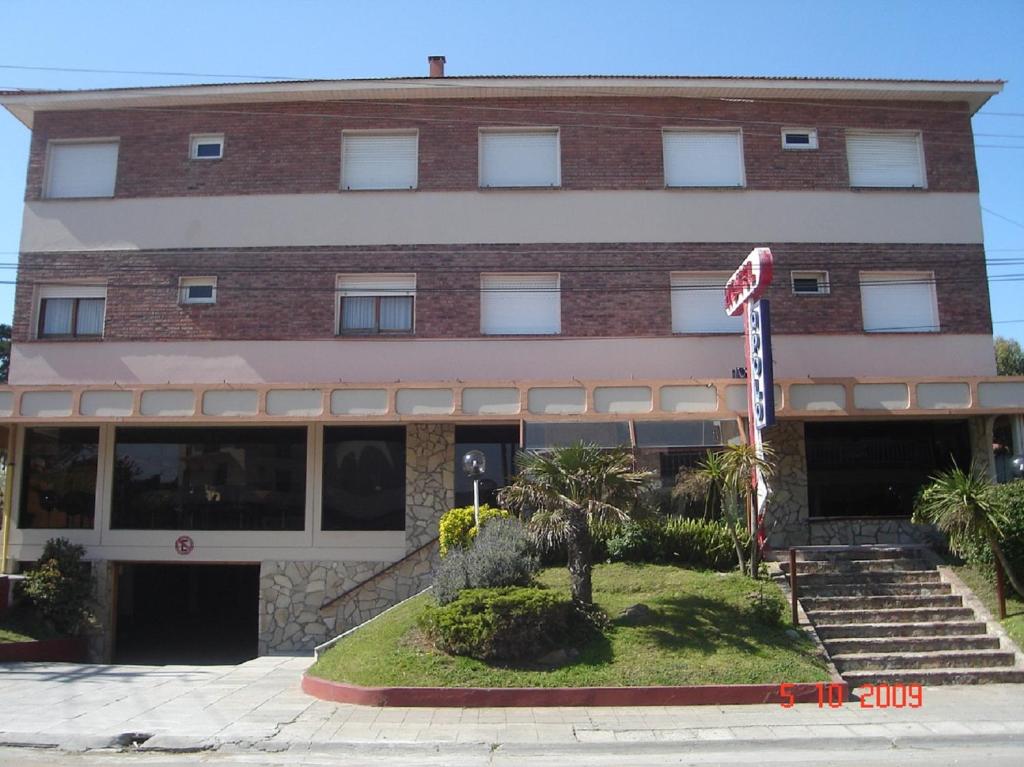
<point x="207" y="147"/>
<point x="799" y="138"/>
<point x="810" y="283"/>
<point x="198" y="290"/>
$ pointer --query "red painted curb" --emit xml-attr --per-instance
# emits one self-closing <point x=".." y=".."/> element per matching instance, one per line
<point x="45" y="650"/>
<point x="478" y="697"/>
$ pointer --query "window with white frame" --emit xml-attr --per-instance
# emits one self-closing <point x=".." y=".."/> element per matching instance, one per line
<point x="703" y="157"/>
<point x="376" y="303"/>
<point x="519" y="157"/>
<point x="520" y="304"/>
<point x="71" y="311"/>
<point x="206" y="146"/>
<point x="371" y="160"/>
<point x="197" y="290"/>
<point x="899" y="302"/>
<point x="888" y="159"/>
<point x="81" y="169"/>
<point x="698" y="303"/>
<point x="810" y="283"/>
<point x="799" y="138"/>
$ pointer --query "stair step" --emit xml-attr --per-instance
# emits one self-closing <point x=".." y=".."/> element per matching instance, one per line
<point x="918" y="660"/>
<point x="935" y="676"/>
<point x="880" y="630"/>
<point x="902" y="644"/>
<point x="854" y="566"/>
<point x="813" y="604"/>
<point x="892" y="577"/>
<point x="899" y="615"/>
<point x="806" y="591"/>
<point x="834" y="553"/>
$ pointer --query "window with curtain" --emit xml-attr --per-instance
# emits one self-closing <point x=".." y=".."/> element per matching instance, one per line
<point x="376" y="303"/>
<point x="67" y="311"/>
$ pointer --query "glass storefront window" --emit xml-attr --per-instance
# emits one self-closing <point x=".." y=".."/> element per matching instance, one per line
<point x="209" y="479"/>
<point x="364" y="478"/>
<point x="58" y="478"/>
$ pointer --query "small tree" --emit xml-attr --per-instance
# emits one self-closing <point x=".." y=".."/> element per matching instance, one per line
<point x="964" y="506"/>
<point x="1009" y="357"/>
<point x="728" y="474"/>
<point x="60" y="586"/>
<point x="565" y="490"/>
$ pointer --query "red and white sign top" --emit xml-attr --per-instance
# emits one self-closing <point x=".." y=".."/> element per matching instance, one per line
<point x="749" y="281"/>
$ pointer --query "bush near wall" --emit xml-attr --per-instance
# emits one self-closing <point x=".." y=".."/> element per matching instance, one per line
<point x="978" y="552"/>
<point x="457" y="527"/>
<point x="698" y="543"/>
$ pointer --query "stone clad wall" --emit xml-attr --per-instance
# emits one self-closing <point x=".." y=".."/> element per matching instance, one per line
<point x="293" y="593"/>
<point x="788" y="510"/>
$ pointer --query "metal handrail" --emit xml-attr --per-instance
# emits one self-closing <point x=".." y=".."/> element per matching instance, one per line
<point x="377" y="575"/>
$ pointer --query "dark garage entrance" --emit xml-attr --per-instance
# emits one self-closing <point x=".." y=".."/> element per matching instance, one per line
<point x="193" y="614"/>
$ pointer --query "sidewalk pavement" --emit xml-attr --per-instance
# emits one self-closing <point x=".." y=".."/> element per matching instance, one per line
<point x="258" y="706"/>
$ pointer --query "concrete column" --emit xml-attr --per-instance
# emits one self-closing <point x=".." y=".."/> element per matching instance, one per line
<point x="981" y="444"/>
<point x="1017" y="426"/>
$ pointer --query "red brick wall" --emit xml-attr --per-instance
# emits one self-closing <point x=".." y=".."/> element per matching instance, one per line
<point x="607" y="290"/>
<point x="607" y="143"/>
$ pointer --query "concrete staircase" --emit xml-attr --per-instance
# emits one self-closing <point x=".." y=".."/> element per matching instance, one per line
<point x="884" y="614"/>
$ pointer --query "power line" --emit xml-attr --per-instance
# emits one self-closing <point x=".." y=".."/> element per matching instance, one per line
<point x="1000" y="215"/>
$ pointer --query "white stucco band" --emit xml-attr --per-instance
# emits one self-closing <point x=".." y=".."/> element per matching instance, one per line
<point x="549" y="216"/>
<point x="430" y="360"/>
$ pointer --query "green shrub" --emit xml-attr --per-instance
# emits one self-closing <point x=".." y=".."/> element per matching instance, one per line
<point x="499" y="624"/>
<point x="978" y="552"/>
<point x="60" y="586"/>
<point x="457" y="527"/>
<point x="501" y="555"/>
<point x="767" y="607"/>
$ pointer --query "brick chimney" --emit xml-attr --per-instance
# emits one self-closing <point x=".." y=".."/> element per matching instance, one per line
<point x="436" y="66"/>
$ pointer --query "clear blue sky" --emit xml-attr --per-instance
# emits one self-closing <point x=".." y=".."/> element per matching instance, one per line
<point x="941" y="39"/>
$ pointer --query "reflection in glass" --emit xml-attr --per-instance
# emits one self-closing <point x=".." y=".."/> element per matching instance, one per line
<point x="58" y="480"/>
<point x="210" y="479"/>
<point x="364" y="478"/>
<point x="499" y="445"/>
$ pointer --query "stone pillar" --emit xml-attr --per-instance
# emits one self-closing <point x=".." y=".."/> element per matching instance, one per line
<point x="980" y="428"/>
<point x="786" y="518"/>
<point x="101" y="636"/>
<point x="429" y="479"/>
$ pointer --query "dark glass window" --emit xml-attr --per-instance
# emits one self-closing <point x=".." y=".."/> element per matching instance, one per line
<point x="210" y="479"/>
<point x="364" y="478"/>
<point x="798" y="138"/>
<point x="541" y="435"/>
<point x="58" y="478"/>
<point x="499" y="444"/>
<point x="208" y="150"/>
<point x="875" y="469"/>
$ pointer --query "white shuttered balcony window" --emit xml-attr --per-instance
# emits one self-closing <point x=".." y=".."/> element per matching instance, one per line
<point x="703" y="158"/>
<point x="899" y="302"/>
<point x="81" y="169"/>
<point x="698" y="303"/>
<point x="519" y="158"/>
<point x="376" y="303"/>
<point x="520" y="304"/>
<point x="379" y="160"/>
<point x="884" y="159"/>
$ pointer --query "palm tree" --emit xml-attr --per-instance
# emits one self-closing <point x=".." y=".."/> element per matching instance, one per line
<point x="565" y="490"/>
<point x="965" y="507"/>
<point x="729" y="473"/>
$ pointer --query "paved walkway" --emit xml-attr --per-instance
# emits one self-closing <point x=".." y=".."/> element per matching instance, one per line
<point x="258" y="706"/>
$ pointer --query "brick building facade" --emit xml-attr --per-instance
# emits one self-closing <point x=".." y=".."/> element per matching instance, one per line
<point x="237" y="302"/>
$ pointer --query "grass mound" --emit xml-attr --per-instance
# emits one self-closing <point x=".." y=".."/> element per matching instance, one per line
<point x="700" y="630"/>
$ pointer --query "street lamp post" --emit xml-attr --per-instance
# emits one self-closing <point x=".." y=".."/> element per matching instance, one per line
<point x="474" y="462"/>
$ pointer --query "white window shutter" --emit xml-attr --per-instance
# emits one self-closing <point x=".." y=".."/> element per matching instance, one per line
<point x="703" y="158"/>
<point x="519" y="158"/>
<point x="376" y="285"/>
<point x="698" y="304"/>
<point x="885" y="159"/>
<point x="376" y="161"/>
<point x="520" y="304"/>
<point x="81" y="169"/>
<point x="899" y="302"/>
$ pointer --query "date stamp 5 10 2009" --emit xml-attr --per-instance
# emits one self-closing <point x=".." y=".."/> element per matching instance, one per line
<point x="870" y="695"/>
